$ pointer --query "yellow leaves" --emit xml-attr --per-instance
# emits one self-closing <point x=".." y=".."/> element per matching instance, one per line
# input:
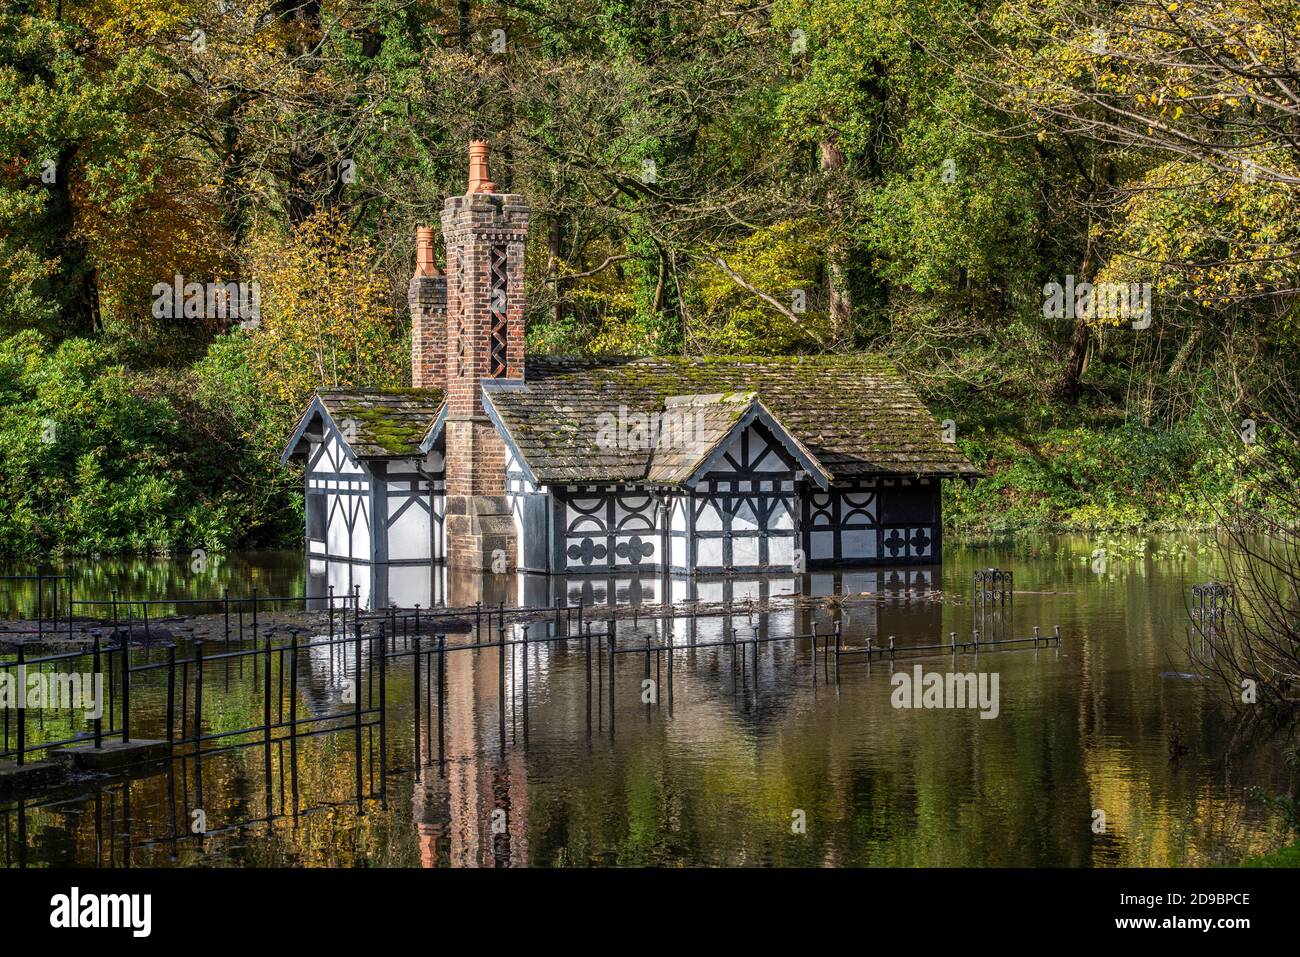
<point x="170" y="227"/>
<point x="1208" y="236"/>
<point x="119" y="25"/>
<point x="780" y="260"/>
<point x="326" y="311"/>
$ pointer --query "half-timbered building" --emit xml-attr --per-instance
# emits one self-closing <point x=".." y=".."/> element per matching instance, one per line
<point x="495" y="460"/>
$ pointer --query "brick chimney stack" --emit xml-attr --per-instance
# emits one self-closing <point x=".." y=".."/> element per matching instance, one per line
<point x="427" y="298"/>
<point x="483" y="233"/>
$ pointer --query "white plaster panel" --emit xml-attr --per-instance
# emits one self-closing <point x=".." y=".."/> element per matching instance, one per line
<point x="708" y="553"/>
<point x="744" y="550"/>
<point x="858" y="543"/>
<point x="408" y="536"/>
<point x="822" y="544"/>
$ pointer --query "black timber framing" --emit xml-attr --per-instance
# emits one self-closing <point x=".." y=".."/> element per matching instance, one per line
<point x="767" y="490"/>
<point x="612" y="498"/>
<point x="902" y="505"/>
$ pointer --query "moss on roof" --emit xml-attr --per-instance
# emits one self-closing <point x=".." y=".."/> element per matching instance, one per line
<point x="382" y="423"/>
<point x="853" y="413"/>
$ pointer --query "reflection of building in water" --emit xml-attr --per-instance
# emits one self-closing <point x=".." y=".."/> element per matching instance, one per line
<point x="903" y="590"/>
<point x="474" y="813"/>
<point x="377" y="586"/>
<point x="432" y="586"/>
<point x="897" y="601"/>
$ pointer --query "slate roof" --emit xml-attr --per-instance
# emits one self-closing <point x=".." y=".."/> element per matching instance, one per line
<point x="853" y="414"/>
<point x="376" y="423"/>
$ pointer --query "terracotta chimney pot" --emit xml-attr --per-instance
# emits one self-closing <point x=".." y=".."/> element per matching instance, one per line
<point x="425" y="263"/>
<point x="478" y="168"/>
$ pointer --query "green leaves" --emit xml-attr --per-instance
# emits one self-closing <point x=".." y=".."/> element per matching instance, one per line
<point x="96" y="459"/>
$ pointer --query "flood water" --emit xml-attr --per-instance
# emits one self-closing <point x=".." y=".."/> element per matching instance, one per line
<point x="767" y="762"/>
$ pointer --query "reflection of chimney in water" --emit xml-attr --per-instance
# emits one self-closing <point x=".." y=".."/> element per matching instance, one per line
<point x="429" y="800"/>
<point x="477" y="788"/>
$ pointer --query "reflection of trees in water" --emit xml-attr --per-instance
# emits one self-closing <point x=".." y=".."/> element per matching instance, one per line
<point x="276" y="573"/>
<point x="1245" y="630"/>
<point x="718" y="779"/>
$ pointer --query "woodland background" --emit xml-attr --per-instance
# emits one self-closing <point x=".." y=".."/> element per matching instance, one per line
<point x="914" y="170"/>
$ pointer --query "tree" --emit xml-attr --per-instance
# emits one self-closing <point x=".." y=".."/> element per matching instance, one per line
<point x="79" y="87"/>
<point x="325" y="315"/>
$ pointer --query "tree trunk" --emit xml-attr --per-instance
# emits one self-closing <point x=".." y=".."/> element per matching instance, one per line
<point x="553" y="240"/>
<point x="1180" y="360"/>
<point x="1067" y="385"/>
<point x="838" y="296"/>
<point x="78" y="283"/>
<point x="462" y="21"/>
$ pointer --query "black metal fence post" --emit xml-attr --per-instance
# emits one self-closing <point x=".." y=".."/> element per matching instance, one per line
<point x="524" y="648"/>
<point x="612" y="646"/>
<point x="293" y="716"/>
<point x="442" y="696"/>
<point x="126" y="688"/>
<point x="501" y="677"/>
<point x="266" y="720"/>
<point x="99" y="690"/>
<point x="669" y="639"/>
<point x="171" y="693"/>
<point x="416" y="702"/>
<point x="22" y="707"/>
<point x="383" y="720"/>
<point x="356" y="687"/>
<point x="198" y="697"/>
<point x="814" y="651"/>
<point x="645" y="681"/>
